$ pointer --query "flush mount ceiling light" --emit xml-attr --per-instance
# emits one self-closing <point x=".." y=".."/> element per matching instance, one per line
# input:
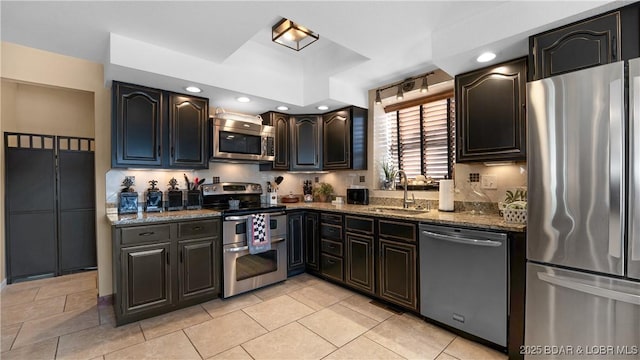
<point x="193" y="89"/>
<point x="282" y="108"/>
<point x="322" y="107"/>
<point x="404" y="86"/>
<point x="243" y="99"/>
<point x="292" y="35"/>
<point x="487" y="56"/>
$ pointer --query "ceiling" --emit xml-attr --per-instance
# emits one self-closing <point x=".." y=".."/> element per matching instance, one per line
<point x="225" y="47"/>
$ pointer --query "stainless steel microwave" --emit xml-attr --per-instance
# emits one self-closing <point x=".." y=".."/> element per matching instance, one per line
<point x="242" y="141"/>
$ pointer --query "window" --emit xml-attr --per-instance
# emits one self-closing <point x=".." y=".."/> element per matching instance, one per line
<point x="419" y="139"/>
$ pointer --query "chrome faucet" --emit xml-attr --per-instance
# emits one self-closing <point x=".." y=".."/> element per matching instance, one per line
<point x="405" y="202"/>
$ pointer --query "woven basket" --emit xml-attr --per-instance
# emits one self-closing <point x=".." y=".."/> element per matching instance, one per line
<point x="515" y="215"/>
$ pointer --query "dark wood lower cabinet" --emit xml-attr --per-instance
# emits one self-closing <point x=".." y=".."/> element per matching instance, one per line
<point x="295" y="243"/>
<point x="146" y="278"/>
<point x="164" y="267"/>
<point x="397" y="273"/>
<point x="359" y="262"/>
<point x="311" y="242"/>
<point x="197" y="268"/>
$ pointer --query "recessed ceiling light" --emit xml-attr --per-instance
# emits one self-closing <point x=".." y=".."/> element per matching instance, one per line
<point x="322" y="107"/>
<point x="484" y="57"/>
<point x="282" y="108"/>
<point x="193" y="89"/>
<point x="243" y="99"/>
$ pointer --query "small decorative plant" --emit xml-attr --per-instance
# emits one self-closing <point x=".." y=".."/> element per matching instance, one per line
<point x="323" y="192"/>
<point x="390" y="173"/>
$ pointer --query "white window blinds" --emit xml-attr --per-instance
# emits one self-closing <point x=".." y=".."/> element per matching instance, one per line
<point x="421" y="138"/>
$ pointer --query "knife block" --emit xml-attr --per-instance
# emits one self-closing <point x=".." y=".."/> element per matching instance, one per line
<point x="194" y="200"/>
<point x="175" y="200"/>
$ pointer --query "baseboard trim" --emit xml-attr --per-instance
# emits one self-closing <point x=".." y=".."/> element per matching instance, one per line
<point x="3" y="284"/>
<point x="106" y="300"/>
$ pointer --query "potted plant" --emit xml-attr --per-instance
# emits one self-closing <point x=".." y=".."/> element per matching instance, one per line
<point x="390" y="173"/>
<point x="323" y="192"/>
<point x="514" y="206"/>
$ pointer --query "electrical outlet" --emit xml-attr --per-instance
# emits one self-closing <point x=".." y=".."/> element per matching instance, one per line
<point x="474" y="177"/>
<point x="489" y="182"/>
<point x="361" y="178"/>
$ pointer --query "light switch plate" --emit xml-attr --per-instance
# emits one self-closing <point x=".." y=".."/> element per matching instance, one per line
<point x="489" y="182"/>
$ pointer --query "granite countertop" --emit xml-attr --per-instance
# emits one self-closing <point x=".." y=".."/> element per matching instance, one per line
<point x="163" y="216"/>
<point x="486" y="221"/>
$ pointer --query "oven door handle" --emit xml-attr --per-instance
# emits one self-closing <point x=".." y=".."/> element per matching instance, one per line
<point x="246" y="248"/>
<point x="242" y="218"/>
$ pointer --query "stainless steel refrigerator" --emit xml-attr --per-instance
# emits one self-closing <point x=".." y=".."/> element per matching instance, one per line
<point x="583" y="231"/>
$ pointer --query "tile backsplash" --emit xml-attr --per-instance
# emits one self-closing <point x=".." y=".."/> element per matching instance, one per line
<point x="506" y="177"/>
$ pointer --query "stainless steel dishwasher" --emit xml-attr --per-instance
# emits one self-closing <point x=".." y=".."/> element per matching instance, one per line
<point x="463" y="280"/>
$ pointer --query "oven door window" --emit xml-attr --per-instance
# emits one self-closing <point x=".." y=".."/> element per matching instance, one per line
<point x="248" y="266"/>
<point x="237" y="143"/>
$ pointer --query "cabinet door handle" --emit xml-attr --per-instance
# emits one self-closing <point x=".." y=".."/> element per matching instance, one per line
<point x="331" y="246"/>
<point x="181" y="256"/>
<point x="173" y="152"/>
<point x="331" y="262"/>
<point x="196" y="228"/>
<point x="159" y="150"/>
<point x="614" y="49"/>
<point x="167" y="255"/>
<point x="147" y="233"/>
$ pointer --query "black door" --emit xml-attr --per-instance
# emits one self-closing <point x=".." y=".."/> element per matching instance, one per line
<point x="76" y="204"/>
<point x="146" y="277"/>
<point x="312" y="242"/>
<point x="359" y="271"/>
<point x="31" y="224"/>
<point x="398" y="273"/>
<point x="198" y="271"/>
<point x="50" y="219"/>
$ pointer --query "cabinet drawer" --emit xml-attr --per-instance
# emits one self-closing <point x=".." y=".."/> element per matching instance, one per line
<point x="331" y="266"/>
<point x="397" y="230"/>
<point x="197" y="229"/>
<point x="359" y="224"/>
<point x="142" y="234"/>
<point x="331" y="219"/>
<point x="331" y="247"/>
<point x="331" y="232"/>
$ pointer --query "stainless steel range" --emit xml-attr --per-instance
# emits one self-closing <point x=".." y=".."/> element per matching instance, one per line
<point x="243" y="271"/>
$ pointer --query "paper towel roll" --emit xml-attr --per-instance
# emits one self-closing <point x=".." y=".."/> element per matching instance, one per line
<point x="445" y="195"/>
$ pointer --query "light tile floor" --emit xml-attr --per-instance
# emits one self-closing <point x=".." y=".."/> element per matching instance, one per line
<point x="301" y="318"/>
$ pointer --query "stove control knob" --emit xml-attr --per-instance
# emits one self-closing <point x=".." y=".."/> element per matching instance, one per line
<point x="255" y="187"/>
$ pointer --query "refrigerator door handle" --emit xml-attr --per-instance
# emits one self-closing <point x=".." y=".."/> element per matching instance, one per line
<point x="616" y="161"/>
<point x="634" y="109"/>
<point x="570" y="283"/>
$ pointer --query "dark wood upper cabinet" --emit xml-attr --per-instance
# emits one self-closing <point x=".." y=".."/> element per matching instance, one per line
<point x="306" y="153"/>
<point x="152" y="128"/>
<point x="599" y="40"/>
<point x="280" y="122"/>
<point x="187" y="128"/>
<point x="344" y="139"/>
<point x="491" y="114"/>
<point x="136" y="126"/>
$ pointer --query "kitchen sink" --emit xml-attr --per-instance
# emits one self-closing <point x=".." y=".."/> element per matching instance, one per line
<point x="397" y="211"/>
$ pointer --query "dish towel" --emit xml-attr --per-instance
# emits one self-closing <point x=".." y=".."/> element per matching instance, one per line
<point x="258" y="233"/>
